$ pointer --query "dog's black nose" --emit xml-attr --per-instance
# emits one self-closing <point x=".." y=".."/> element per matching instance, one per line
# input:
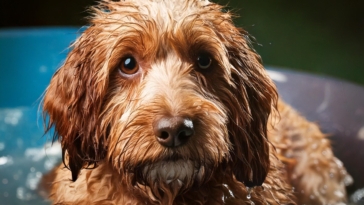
<point x="173" y="131"/>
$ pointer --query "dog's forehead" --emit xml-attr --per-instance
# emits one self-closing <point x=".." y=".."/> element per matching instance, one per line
<point x="179" y="9"/>
<point x="175" y="8"/>
<point x="155" y="27"/>
<point x="163" y="12"/>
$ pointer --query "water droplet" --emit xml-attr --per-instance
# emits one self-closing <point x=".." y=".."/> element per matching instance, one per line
<point x="339" y="194"/>
<point x="358" y="196"/>
<point x="312" y="196"/>
<point x="348" y="180"/>
<point x="33" y="179"/>
<point x="43" y="69"/>
<point x="338" y="162"/>
<point x="249" y="193"/>
<point x="326" y="153"/>
<point x="13" y="117"/>
<point x="24" y="194"/>
<point x="314" y="146"/>
<point x="323" y="189"/>
<point x="6" y="160"/>
<point x="361" y="133"/>
<point x="289" y="154"/>
<point x="15" y="176"/>
<point x="331" y="174"/>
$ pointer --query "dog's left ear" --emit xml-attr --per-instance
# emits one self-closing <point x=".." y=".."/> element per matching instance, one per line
<point x="253" y="97"/>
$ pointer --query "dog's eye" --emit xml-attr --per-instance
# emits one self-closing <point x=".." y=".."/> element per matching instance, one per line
<point x="204" y="61"/>
<point x="129" y="66"/>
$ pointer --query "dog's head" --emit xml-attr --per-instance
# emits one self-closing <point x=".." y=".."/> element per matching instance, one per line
<point x="165" y="91"/>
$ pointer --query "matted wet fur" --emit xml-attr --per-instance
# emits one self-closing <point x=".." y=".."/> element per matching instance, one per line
<point x="165" y="102"/>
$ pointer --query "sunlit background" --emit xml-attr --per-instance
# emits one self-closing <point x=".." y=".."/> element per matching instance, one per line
<point x="325" y="37"/>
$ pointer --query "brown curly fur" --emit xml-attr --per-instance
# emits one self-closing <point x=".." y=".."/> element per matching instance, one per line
<point x="104" y="119"/>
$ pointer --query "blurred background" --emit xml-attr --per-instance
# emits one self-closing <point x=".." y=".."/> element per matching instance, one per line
<point x="323" y="37"/>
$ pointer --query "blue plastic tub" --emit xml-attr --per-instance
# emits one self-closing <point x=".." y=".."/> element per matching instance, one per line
<point x="28" y="59"/>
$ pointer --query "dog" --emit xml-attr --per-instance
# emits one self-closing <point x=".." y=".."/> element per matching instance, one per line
<point x="166" y="102"/>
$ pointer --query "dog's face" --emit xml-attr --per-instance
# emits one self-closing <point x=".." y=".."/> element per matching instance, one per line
<point x="168" y="92"/>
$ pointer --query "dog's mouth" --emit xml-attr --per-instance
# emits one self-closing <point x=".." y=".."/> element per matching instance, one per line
<point x="168" y="178"/>
<point x="174" y="157"/>
<point x="172" y="172"/>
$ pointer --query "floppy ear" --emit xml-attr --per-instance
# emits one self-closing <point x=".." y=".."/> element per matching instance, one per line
<point x="248" y="126"/>
<point x="253" y="97"/>
<point x="73" y="101"/>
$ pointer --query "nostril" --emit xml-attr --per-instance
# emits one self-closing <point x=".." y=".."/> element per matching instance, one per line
<point x="183" y="135"/>
<point x="164" y="135"/>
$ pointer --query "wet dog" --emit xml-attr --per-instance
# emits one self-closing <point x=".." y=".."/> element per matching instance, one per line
<point x="165" y="102"/>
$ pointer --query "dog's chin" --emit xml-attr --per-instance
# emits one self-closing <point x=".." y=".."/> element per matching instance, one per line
<point x="176" y="175"/>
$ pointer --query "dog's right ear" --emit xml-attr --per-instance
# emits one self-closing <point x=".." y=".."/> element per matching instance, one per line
<point x="73" y="101"/>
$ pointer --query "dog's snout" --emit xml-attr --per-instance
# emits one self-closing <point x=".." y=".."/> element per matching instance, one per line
<point x="173" y="131"/>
